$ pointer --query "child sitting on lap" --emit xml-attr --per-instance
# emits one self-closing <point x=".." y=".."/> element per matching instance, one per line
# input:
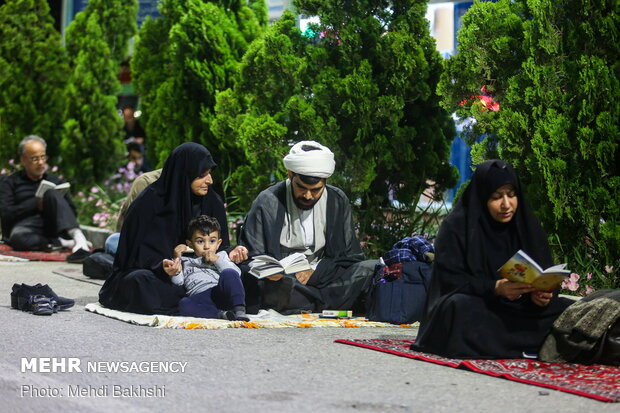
<point x="211" y="279"/>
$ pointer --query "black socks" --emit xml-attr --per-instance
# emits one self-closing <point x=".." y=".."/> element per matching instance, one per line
<point x="240" y="314"/>
<point x="236" y="314"/>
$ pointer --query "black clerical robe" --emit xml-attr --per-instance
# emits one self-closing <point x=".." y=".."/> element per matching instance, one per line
<point x="341" y="274"/>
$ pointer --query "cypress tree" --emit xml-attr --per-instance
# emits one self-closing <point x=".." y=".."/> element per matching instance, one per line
<point x="118" y="22"/>
<point x="553" y="69"/>
<point x="33" y="75"/>
<point x="364" y="85"/>
<point x="92" y="145"/>
<point x="182" y="60"/>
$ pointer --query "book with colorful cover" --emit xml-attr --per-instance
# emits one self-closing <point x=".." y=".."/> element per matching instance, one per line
<point x="522" y="268"/>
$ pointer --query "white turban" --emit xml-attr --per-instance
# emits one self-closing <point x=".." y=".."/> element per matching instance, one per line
<point x="310" y="158"/>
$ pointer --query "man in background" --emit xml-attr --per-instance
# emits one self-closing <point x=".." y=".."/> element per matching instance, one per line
<point x="32" y="223"/>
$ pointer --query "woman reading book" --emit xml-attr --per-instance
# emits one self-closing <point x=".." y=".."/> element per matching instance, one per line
<point x="155" y="224"/>
<point x="471" y="311"/>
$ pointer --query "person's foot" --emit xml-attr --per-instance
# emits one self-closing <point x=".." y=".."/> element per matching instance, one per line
<point x="78" y="256"/>
<point x="240" y="314"/>
<point x="226" y="315"/>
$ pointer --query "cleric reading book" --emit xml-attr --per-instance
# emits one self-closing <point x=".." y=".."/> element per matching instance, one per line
<point x="45" y="185"/>
<point x="264" y="266"/>
<point x="522" y="268"/>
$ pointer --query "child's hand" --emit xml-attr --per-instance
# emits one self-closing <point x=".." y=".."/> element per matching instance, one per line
<point x="179" y="250"/>
<point x="211" y="256"/>
<point x="172" y="267"/>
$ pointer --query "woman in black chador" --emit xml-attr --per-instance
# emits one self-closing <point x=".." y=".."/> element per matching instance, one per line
<point x="471" y="312"/>
<point x="156" y="223"/>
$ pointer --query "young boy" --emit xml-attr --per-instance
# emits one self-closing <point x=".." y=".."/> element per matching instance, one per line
<point x="212" y="280"/>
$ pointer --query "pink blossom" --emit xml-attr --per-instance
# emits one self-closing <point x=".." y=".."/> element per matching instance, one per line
<point x="80" y="194"/>
<point x="571" y="284"/>
<point x="608" y="269"/>
<point x="90" y="198"/>
<point x="589" y="290"/>
<point x="11" y="162"/>
<point x="54" y="169"/>
<point x="94" y="190"/>
<point x="589" y="276"/>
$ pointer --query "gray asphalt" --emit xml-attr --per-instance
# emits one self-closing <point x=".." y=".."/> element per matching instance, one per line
<point x="232" y="370"/>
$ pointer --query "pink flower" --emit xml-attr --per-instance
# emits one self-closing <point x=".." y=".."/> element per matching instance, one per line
<point x="11" y="162"/>
<point x="571" y="284"/>
<point x="589" y="290"/>
<point x="589" y="276"/>
<point x="94" y="190"/>
<point x="608" y="269"/>
<point x="54" y="168"/>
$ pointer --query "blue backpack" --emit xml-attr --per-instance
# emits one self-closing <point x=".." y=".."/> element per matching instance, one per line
<point x="398" y="289"/>
<point x="397" y="292"/>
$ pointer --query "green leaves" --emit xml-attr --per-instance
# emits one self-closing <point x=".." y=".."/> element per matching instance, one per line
<point x="364" y="86"/>
<point x="553" y="65"/>
<point x="182" y="60"/>
<point x="33" y="75"/>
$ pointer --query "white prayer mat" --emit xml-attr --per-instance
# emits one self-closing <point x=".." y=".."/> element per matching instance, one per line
<point x="264" y="319"/>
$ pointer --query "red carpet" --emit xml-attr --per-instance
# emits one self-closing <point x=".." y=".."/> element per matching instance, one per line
<point x="596" y="381"/>
<point x="35" y="255"/>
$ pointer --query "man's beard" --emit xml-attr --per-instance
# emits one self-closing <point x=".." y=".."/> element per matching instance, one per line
<point x="303" y="204"/>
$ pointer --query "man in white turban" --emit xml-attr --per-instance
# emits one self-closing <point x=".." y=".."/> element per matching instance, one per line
<point x="304" y="214"/>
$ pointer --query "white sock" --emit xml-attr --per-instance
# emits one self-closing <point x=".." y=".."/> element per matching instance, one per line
<point x="79" y="238"/>
<point x="66" y="243"/>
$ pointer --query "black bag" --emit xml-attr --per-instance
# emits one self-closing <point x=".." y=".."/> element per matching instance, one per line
<point x="98" y="265"/>
<point x="397" y="292"/>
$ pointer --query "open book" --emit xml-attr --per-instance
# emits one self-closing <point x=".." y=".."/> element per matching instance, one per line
<point x="264" y="266"/>
<point x="522" y="268"/>
<point x="44" y="186"/>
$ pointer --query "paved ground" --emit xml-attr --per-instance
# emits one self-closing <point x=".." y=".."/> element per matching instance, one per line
<point x="233" y="370"/>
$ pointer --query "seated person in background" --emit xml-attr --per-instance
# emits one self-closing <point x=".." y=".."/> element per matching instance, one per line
<point x="211" y="279"/>
<point x="135" y="154"/>
<point x="137" y="186"/>
<point x="471" y="312"/>
<point x="31" y="223"/>
<point x="304" y="214"/>
<point x="132" y="127"/>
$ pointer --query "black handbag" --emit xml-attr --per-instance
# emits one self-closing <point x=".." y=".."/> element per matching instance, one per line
<point x="606" y="350"/>
<point x="98" y="265"/>
<point x="397" y="293"/>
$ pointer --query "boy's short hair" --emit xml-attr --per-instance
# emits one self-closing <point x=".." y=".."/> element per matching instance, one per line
<point x="203" y="224"/>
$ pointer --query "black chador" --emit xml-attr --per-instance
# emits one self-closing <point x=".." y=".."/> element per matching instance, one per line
<point x="156" y="223"/>
<point x="464" y="318"/>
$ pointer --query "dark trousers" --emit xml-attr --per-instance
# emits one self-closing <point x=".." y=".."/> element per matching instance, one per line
<point x="227" y="294"/>
<point x="37" y="231"/>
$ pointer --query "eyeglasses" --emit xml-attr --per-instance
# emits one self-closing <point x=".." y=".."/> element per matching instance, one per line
<point x="36" y="159"/>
